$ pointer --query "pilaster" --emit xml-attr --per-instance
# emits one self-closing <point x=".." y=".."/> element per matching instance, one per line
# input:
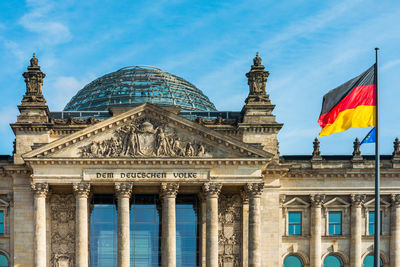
<point x="315" y="244"/>
<point x="395" y="231"/>
<point x="355" y="245"/>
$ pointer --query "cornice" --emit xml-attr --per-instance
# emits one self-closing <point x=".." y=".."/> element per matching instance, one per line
<point x="149" y="161"/>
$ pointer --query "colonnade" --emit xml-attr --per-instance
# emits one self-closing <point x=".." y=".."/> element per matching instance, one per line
<point x="356" y="230"/>
<point x="168" y="192"/>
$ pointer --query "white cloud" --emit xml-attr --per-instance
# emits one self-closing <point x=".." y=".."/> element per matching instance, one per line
<point x="39" y="21"/>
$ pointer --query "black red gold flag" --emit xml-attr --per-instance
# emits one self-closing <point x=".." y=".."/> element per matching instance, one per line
<point x="352" y="104"/>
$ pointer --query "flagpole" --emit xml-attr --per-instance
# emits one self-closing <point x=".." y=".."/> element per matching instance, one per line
<point x="377" y="174"/>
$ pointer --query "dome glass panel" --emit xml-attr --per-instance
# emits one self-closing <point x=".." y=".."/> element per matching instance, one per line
<point x="135" y="85"/>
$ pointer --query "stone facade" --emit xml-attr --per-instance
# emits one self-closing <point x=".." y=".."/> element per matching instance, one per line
<point x="247" y="189"/>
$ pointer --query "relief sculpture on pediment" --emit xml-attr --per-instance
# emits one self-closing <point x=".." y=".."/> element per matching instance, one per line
<point x="145" y="138"/>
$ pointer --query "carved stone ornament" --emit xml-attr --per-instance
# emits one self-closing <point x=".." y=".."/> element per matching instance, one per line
<point x="257" y="79"/>
<point x="123" y="189"/>
<point x="229" y="230"/>
<point x="81" y="189"/>
<point x="357" y="200"/>
<point x="169" y="189"/>
<point x="40" y="189"/>
<point x="356" y="149"/>
<point x="245" y="196"/>
<point x="212" y="189"/>
<point x="145" y="138"/>
<point x="254" y="189"/>
<point x="34" y="82"/>
<point x="317" y="200"/>
<point x="62" y="214"/>
<point x="395" y="198"/>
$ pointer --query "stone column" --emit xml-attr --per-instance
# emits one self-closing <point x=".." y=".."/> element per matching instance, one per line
<point x="168" y="241"/>
<point x="315" y="244"/>
<point x="395" y="232"/>
<point x="211" y="191"/>
<point x="355" y="245"/>
<point x="81" y="191"/>
<point x="39" y="205"/>
<point x="254" y="190"/>
<point x="203" y="232"/>
<point x="245" y="227"/>
<point x="123" y="192"/>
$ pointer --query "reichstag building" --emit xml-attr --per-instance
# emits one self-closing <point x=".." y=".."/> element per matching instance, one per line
<point x="140" y="169"/>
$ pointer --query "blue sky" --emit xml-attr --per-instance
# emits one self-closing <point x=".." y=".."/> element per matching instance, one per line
<point x="309" y="47"/>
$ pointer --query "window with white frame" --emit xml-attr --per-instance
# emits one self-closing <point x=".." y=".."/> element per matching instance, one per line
<point x="335" y="223"/>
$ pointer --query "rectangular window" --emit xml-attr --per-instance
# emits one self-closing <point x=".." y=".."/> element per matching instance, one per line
<point x="371" y="222"/>
<point x="335" y="223"/>
<point x="1" y="222"/>
<point x="294" y="223"/>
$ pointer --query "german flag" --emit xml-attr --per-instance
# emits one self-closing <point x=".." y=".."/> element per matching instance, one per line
<point x="352" y="104"/>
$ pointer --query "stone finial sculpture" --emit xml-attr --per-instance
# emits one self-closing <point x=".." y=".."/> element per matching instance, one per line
<point x="34" y="82"/>
<point x="316" y="152"/>
<point x="257" y="79"/>
<point x="356" y="149"/>
<point x="396" y="146"/>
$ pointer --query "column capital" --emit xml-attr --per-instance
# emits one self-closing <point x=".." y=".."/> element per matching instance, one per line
<point x="169" y="189"/>
<point x="317" y="200"/>
<point x="245" y="196"/>
<point x="357" y="200"/>
<point x="395" y="199"/>
<point x="81" y="189"/>
<point x="123" y="189"/>
<point x="212" y="189"/>
<point x="40" y="189"/>
<point x="254" y="189"/>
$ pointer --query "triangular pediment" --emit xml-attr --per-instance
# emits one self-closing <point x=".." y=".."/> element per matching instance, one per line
<point x="296" y="202"/>
<point x="371" y="203"/>
<point x="336" y="202"/>
<point x="147" y="131"/>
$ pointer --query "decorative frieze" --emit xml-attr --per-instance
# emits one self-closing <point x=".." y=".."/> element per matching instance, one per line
<point x="169" y="189"/>
<point x="62" y="214"/>
<point x="395" y="199"/>
<point x="123" y="189"/>
<point x="40" y="189"/>
<point x="212" y="189"/>
<point x="81" y="189"/>
<point x="254" y="189"/>
<point x="229" y="236"/>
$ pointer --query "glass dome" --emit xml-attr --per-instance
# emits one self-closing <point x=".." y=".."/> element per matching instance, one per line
<point x="135" y="85"/>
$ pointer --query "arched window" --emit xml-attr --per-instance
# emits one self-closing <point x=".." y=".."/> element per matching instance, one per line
<point x="292" y="261"/>
<point x="333" y="261"/>
<point x="369" y="261"/>
<point x="3" y="261"/>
